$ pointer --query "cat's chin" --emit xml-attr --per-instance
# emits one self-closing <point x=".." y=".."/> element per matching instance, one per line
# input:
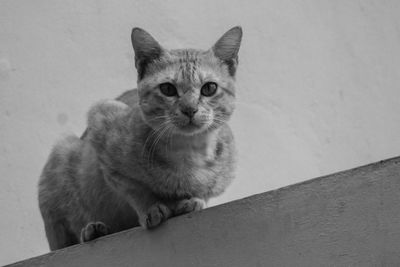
<point x="190" y="129"/>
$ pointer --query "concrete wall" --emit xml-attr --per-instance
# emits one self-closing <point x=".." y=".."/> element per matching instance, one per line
<point x="346" y="219"/>
<point x="318" y="86"/>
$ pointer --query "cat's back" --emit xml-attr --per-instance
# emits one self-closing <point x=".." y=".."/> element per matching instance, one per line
<point x="62" y="166"/>
<point x="57" y="184"/>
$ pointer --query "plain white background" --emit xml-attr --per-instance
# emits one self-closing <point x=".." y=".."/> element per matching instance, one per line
<point x="318" y="87"/>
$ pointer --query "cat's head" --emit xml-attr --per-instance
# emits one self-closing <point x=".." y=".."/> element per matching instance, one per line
<point x="186" y="91"/>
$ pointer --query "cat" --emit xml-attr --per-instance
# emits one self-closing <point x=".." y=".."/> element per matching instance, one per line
<point x="155" y="152"/>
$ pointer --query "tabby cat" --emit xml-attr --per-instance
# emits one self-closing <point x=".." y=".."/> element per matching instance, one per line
<point x="157" y="151"/>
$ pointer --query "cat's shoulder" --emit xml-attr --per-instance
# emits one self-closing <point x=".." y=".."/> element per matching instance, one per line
<point x="106" y="111"/>
<point x="130" y="97"/>
<point x="98" y="112"/>
<point x="112" y="108"/>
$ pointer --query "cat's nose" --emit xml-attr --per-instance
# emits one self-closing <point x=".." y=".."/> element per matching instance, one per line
<point x="189" y="111"/>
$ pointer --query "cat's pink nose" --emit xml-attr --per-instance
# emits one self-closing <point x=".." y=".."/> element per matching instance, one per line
<point x="189" y="111"/>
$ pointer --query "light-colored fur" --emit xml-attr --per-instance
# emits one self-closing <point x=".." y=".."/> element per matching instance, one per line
<point x="142" y="159"/>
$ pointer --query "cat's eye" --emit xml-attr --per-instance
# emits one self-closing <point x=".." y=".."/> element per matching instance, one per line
<point x="209" y="89"/>
<point x="168" y="89"/>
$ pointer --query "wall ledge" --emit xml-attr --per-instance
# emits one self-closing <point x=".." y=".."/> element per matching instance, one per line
<point x="350" y="218"/>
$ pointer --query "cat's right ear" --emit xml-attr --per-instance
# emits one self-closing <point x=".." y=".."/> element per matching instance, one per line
<point x="146" y="48"/>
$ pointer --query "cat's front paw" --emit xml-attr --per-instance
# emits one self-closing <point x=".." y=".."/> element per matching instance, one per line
<point x="189" y="205"/>
<point x="155" y="215"/>
<point x="93" y="230"/>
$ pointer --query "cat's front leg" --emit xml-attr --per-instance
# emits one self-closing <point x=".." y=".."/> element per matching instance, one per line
<point x="159" y="212"/>
<point x="155" y="215"/>
<point x="151" y="210"/>
<point x="188" y="205"/>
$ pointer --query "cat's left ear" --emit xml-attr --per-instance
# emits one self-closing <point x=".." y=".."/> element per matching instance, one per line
<point x="146" y="48"/>
<point x="227" y="48"/>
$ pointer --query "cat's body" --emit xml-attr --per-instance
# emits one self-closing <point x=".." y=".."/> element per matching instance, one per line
<point x="157" y="152"/>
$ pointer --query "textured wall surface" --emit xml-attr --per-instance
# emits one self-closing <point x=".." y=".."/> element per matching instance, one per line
<point x="318" y="82"/>
<point x="346" y="219"/>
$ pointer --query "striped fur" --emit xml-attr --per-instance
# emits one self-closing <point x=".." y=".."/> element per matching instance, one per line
<point x="141" y="159"/>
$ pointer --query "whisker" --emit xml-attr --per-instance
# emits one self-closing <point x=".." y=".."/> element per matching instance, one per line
<point x="154" y="133"/>
<point x="157" y="140"/>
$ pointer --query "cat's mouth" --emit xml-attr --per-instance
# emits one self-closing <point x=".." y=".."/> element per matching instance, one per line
<point x="191" y="127"/>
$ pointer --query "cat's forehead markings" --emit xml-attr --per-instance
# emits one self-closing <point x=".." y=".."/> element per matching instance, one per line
<point x="168" y="74"/>
<point x="187" y="67"/>
<point x="187" y="72"/>
<point x="187" y="54"/>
